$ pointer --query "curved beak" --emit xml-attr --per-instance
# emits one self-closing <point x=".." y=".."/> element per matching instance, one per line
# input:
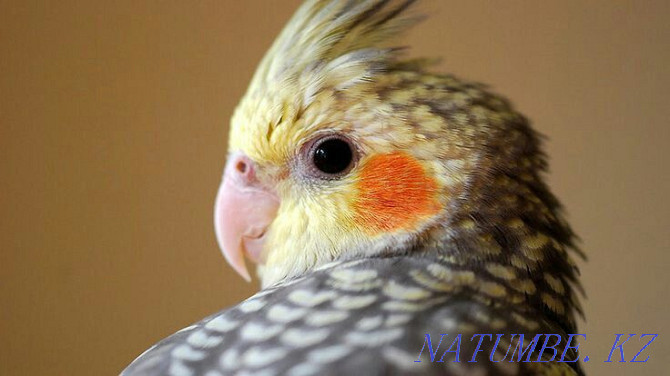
<point x="243" y="211"/>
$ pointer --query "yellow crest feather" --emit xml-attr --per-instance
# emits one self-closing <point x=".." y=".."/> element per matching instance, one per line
<point x="332" y="43"/>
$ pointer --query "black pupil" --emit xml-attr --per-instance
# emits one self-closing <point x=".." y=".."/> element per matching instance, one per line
<point x="332" y="156"/>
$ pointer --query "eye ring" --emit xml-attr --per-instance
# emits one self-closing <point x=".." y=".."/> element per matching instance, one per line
<point x="329" y="157"/>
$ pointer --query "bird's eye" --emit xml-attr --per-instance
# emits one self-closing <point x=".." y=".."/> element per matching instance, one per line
<point x="331" y="156"/>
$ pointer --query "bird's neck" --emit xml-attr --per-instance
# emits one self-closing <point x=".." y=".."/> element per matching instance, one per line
<point x="516" y="237"/>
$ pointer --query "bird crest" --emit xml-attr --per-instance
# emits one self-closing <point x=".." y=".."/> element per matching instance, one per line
<point x="332" y="44"/>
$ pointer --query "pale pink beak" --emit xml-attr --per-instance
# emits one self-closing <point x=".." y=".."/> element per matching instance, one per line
<point x="244" y="209"/>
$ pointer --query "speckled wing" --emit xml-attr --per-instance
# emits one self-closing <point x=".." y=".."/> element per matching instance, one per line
<point x="364" y="317"/>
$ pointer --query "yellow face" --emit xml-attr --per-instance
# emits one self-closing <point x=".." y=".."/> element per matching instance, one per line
<point x="347" y="174"/>
<point x="339" y="130"/>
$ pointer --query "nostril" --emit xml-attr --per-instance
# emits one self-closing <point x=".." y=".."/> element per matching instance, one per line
<point x="241" y="167"/>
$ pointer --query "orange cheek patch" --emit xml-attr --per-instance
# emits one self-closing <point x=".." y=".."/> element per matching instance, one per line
<point x="394" y="193"/>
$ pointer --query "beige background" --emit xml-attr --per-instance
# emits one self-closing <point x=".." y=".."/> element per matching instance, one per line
<point x="113" y="121"/>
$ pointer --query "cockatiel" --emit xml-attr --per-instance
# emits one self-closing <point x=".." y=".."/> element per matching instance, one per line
<point x="382" y="203"/>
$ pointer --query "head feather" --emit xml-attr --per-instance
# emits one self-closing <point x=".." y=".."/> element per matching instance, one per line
<point x="332" y="44"/>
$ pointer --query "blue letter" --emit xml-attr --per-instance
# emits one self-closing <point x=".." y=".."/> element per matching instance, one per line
<point x="614" y="346"/>
<point x="544" y="347"/>
<point x="430" y="348"/>
<point x="645" y="346"/>
<point x="567" y="347"/>
<point x="479" y="344"/>
<point x="530" y="349"/>
<point x="457" y="351"/>
<point x="493" y="350"/>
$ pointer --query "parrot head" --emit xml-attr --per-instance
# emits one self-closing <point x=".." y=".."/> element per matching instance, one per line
<point x="341" y="150"/>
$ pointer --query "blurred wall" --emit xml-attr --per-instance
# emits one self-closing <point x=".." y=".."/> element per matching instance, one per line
<point x="113" y="121"/>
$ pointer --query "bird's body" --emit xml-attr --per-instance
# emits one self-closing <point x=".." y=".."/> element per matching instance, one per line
<point x="386" y="203"/>
<point x="364" y="317"/>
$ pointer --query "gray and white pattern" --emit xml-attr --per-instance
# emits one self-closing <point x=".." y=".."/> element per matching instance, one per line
<point x="312" y="327"/>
